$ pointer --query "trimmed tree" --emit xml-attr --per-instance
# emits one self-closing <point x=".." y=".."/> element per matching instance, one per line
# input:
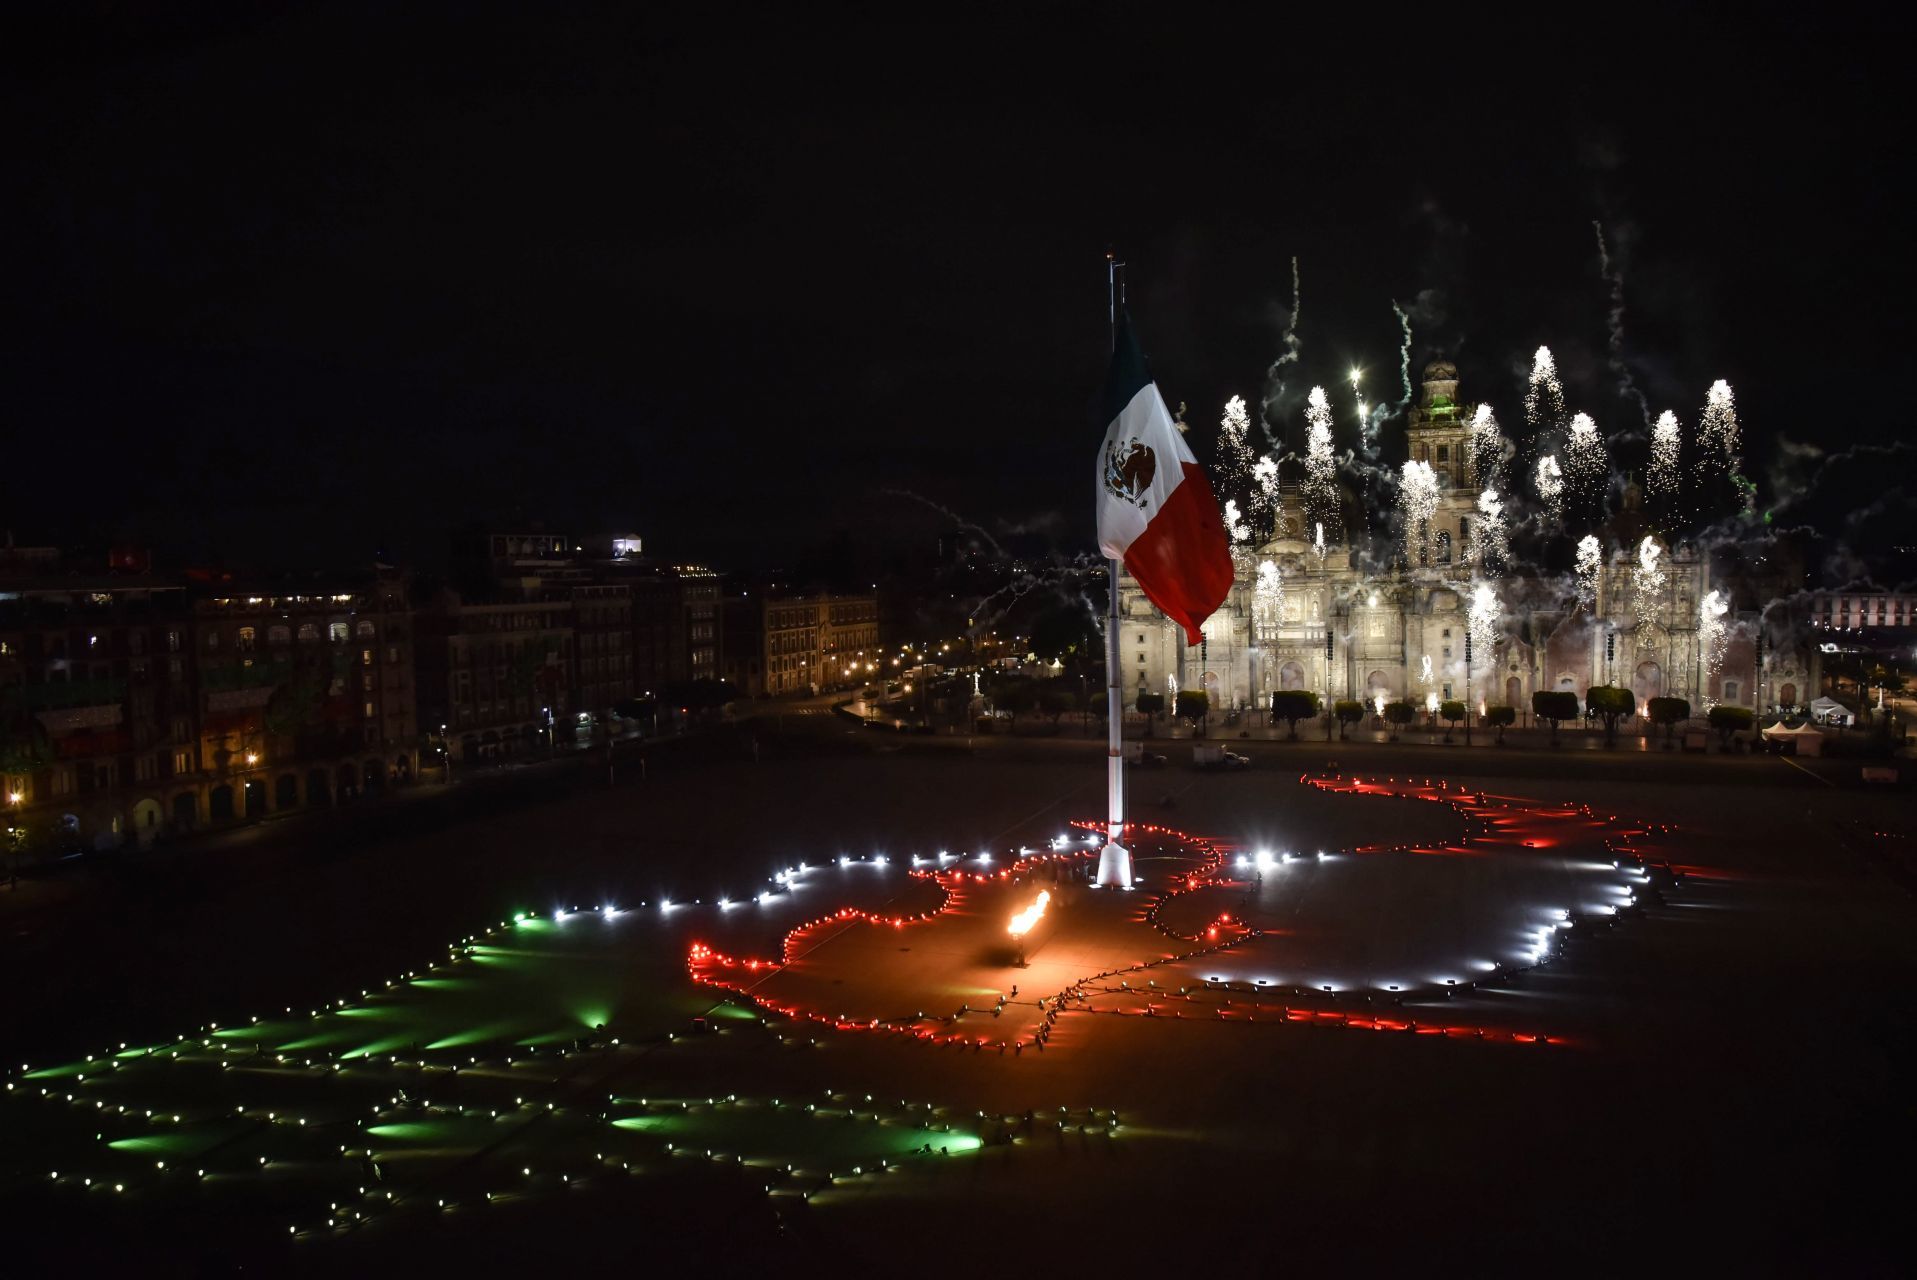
<point x="1499" y="717"/>
<point x="1015" y="696"/>
<point x="1055" y="701"/>
<point x="1610" y="704"/>
<point x="1555" y="705"/>
<point x="1349" y="712"/>
<point x="1398" y="715"/>
<point x="1293" y="705"/>
<point x="1729" y="720"/>
<point x="1151" y="706"/>
<point x="1451" y="710"/>
<point x="1192" y="706"/>
<point x="1668" y="712"/>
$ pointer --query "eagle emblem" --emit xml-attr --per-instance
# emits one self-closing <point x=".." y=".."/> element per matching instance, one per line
<point x="1129" y="468"/>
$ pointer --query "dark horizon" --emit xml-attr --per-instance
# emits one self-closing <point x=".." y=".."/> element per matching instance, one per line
<point x="325" y="286"/>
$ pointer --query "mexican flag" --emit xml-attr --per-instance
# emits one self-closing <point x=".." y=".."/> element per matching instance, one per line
<point x="1156" y="511"/>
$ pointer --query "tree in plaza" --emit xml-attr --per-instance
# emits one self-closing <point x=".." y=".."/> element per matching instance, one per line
<point x="1055" y="700"/>
<point x="1293" y="705"/>
<point x="1610" y="704"/>
<point x="1398" y="715"/>
<point x="1151" y="706"/>
<point x="1499" y="717"/>
<point x="1668" y="712"/>
<point x="1349" y="712"/>
<point x="1451" y="710"/>
<point x="1555" y="705"/>
<point x="1193" y="706"/>
<point x="1728" y="720"/>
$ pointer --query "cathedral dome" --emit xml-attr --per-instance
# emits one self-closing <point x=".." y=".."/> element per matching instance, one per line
<point x="1441" y="371"/>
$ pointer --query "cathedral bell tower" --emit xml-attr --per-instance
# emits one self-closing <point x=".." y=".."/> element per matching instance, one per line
<point x="1439" y="433"/>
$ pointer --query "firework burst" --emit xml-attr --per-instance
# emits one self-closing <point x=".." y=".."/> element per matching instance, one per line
<point x="1647" y="583"/>
<point x="1662" y="476"/>
<point x="1320" y="466"/>
<point x="1487" y="448"/>
<point x="1550" y="482"/>
<point x="1493" y="545"/>
<point x="1590" y="560"/>
<point x="1418" y="500"/>
<point x="1483" y="622"/>
<point x="1712" y="638"/>
<point x="1269" y="594"/>
<point x="1585" y="463"/>
<point x="1544" y="397"/>
<point x="1718" y="430"/>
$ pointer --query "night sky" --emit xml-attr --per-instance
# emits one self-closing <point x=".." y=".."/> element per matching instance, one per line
<point x="325" y="284"/>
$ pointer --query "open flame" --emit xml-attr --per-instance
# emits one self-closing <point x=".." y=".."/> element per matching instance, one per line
<point x="1024" y="920"/>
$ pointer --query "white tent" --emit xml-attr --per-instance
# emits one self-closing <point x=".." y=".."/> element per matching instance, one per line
<point x="1809" y="740"/>
<point x="1830" y="711"/>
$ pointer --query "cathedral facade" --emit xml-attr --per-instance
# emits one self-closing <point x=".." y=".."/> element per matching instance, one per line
<point x="1306" y="613"/>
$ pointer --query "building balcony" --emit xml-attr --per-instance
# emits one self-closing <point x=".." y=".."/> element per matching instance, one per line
<point x="69" y="693"/>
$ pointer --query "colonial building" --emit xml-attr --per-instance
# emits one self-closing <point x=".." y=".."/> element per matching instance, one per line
<point x="97" y="716"/>
<point x="306" y="695"/>
<point x="782" y="644"/>
<point x="1307" y="612"/>
<point x="496" y="677"/>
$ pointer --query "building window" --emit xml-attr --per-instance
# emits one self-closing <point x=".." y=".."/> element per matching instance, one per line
<point x="212" y="641"/>
<point x="279" y="636"/>
<point x="1730" y="691"/>
<point x="365" y="657"/>
<point x="244" y="642"/>
<point x="172" y="642"/>
<point x="366" y="627"/>
<point x="309" y="631"/>
<point x="336" y="632"/>
<point x="369" y="711"/>
<point x="182" y="763"/>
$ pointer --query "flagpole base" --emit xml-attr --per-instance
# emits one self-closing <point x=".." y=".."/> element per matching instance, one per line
<point x="1114" y="867"/>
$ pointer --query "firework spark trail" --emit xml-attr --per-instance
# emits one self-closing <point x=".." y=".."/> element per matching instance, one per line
<point x="1550" y="480"/>
<point x="1647" y="583"/>
<point x="1590" y="560"/>
<point x="1418" y="499"/>
<point x="1615" y="279"/>
<point x="1585" y="463"/>
<point x="1712" y="639"/>
<point x="1424" y="671"/>
<point x="1382" y="413"/>
<point x="957" y="520"/>
<point x="1493" y="546"/>
<point x="1662" y="477"/>
<point x="1487" y="448"/>
<point x="1274" y="377"/>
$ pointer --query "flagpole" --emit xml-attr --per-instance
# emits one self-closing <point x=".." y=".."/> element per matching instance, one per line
<point x="1114" y="860"/>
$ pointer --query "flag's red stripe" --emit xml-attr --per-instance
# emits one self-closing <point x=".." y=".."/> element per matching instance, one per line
<point x="1183" y="559"/>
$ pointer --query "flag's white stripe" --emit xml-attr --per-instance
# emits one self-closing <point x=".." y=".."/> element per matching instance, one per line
<point x="1146" y="420"/>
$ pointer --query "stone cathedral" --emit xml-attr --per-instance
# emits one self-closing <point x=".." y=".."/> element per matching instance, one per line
<point x="1344" y="630"/>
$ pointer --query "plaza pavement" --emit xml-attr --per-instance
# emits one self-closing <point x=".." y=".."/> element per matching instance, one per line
<point x="1729" y="1100"/>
